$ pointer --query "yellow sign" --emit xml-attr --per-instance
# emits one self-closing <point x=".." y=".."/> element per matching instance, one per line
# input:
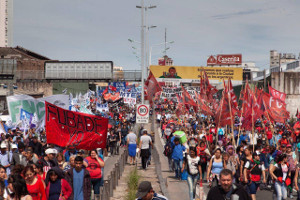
<point x="192" y="73"/>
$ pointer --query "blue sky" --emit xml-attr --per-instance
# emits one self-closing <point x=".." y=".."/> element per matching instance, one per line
<point x="99" y="29"/>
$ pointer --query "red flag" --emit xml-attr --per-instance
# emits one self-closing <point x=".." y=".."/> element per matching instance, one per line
<point x="275" y="108"/>
<point x="112" y="88"/>
<point x="232" y="94"/>
<point x="223" y="116"/>
<point x="180" y="110"/>
<point x="68" y="128"/>
<point x="187" y="99"/>
<point x="201" y="104"/>
<point x="105" y="91"/>
<point x="277" y="94"/>
<point x="152" y="87"/>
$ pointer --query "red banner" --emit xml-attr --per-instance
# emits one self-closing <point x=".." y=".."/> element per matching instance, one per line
<point x="152" y="87"/>
<point x="275" y="107"/>
<point x="277" y="94"/>
<point x="68" y="128"/>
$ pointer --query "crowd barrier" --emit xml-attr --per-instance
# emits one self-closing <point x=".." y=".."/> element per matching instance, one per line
<point x="106" y="192"/>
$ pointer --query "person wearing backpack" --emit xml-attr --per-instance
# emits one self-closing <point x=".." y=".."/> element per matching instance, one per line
<point x="177" y="156"/>
<point x="203" y="154"/>
<point x="253" y="169"/>
<point x="168" y="153"/>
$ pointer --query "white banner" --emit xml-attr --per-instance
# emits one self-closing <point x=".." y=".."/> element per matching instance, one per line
<point x="34" y="106"/>
<point x="130" y="100"/>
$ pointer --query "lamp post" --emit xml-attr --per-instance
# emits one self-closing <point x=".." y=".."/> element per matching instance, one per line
<point x="143" y="9"/>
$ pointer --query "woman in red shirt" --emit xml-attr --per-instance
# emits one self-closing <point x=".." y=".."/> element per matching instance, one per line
<point x="35" y="185"/>
<point x="94" y="164"/>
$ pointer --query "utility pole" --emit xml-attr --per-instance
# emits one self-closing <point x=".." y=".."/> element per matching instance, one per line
<point x="143" y="10"/>
<point x="165" y="41"/>
<point x="142" y="7"/>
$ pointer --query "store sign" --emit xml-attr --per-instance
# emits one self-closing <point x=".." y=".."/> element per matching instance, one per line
<point x="232" y="59"/>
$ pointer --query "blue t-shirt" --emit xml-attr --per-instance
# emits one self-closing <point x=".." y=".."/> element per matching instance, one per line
<point x="178" y="152"/>
<point x="78" y="184"/>
<point x="220" y="131"/>
<point x="298" y="146"/>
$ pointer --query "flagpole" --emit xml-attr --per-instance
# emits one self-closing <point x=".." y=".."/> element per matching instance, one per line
<point x="242" y="112"/>
<point x="252" y="127"/>
<point x="271" y="126"/>
<point x="220" y="114"/>
<point x="229" y="98"/>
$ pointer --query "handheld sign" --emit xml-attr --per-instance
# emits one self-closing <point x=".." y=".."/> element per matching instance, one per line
<point x="142" y="113"/>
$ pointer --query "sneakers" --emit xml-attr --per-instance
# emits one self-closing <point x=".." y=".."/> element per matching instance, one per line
<point x="291" y="196"/>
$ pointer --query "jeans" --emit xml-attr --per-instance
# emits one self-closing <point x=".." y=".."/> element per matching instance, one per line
<point x="177" y="166"/>
<point x="96" y="183"/>
<point x="192" y="182"/>
<point x="281" y="190"/>
<point x="170" y="161"/>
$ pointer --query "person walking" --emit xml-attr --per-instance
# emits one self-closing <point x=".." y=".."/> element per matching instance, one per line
<point x="192" y="161"/>
<point x="145" y="143"/>
<point x="93" y="164"/>
<point x="177" y="156"/>
<point x="80" y="180"/>
<point x="132" y="144"/>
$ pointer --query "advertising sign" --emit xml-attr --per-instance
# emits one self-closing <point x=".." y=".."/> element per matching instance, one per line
<point x="225" y="59"/>
<point x="142" y="113"/>
<point x="193" y="74"/>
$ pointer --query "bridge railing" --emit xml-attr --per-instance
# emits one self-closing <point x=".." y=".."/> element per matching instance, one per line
<point x="130" y="75"/>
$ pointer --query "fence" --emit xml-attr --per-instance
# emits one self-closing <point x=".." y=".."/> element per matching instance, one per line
<point x="112" y="180"/>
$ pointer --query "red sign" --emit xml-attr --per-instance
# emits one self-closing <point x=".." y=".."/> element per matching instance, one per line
<point x="232" y="59"/>
<point x="79" y="130"/>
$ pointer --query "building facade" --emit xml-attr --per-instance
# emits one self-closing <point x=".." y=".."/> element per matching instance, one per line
<point x="277" y="59"/>
<point x="6" y="23"/>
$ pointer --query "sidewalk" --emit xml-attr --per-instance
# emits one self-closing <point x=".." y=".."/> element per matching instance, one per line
<point x="145" y="175"/>
<point x="177" y="190"/>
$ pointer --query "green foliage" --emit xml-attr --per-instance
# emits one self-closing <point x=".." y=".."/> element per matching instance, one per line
<point x="133" y="181"/>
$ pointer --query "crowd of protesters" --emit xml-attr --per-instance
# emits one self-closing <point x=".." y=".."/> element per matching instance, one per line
<point x="264" y="160"/>
<point x="30" y="168"/>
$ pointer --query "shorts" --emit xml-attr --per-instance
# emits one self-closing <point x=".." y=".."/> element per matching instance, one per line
<point x="253" y="187"/>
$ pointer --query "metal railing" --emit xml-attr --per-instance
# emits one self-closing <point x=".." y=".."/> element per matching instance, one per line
<point x="112" y="180"/>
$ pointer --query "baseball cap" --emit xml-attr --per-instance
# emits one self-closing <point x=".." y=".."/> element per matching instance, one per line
<point x="51" y="150"/>
<point x="3" y="145"/>
<point x="143" y="189"/>
<point x="288" y="146"/>
<point x="14" y="146"/>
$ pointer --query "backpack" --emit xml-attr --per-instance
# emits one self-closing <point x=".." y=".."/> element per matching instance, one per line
<point x="168" y="149"/>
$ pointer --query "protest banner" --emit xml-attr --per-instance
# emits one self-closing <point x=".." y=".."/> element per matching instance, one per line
<point x="130" y="100"/>
<point x="34" y="106"/>
<point x="68" y="128"/>
<point x="100" y="107"/>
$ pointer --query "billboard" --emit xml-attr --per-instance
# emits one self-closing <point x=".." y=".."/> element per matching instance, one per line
<point x="225" y="59"/>
<point x="193" y="74"/>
